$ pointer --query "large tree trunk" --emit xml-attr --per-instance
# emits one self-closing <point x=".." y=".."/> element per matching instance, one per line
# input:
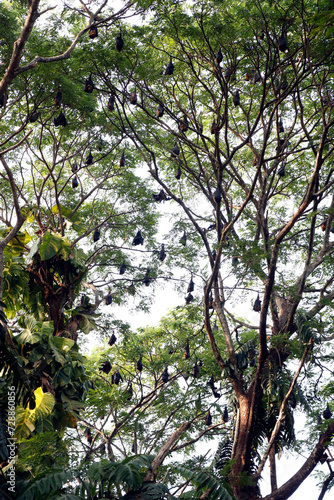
<point x="241" y="453"/>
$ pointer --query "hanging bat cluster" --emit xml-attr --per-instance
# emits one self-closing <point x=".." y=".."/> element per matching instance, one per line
<point x="108" y="299"/>
<point x="119" y="43"/>
<point x="169" y="68"/>
<point x="236" y="99"/>
<point x="139" y="364"/>
<point x="184" y="124"/>
<point x="122" y="268"/>
<point x="225" y="416"/>
<point x="88" y="435"/>
<point x="138" y="239"/>
<point x="122" y="160"/>
<point x="208" y="419"/>
<point x="183" y="239"/>
<point x="160" y="110"/>
<point x="111" y="103"/>
<point x="211" y="384"/>
<point x="219" y="56"/>
<point x="282" y="43"/>
<point x="60" y="120"/>
<point x="93" y="32"/>
<point x="105" y="367"/>
<point x="175" y="153"/>
<point x="129" y="392"/>
<point x="187" y="351"/>
<point x="34" y="117"/>
<point x="178" y="173"/>
<point x="189" y="298"/>
<point x="327" y="414"/>
<point x="165" y="376"/>
<point x="195" y="370"/>
<point x="58" y="99"/>
<point x="162" y="253"/>
<point x="147" y="279"/>
<point x="89" y="159"/>
<point x="257" y="304"/>
<point x="116" y="377"/>
<point x="161" y="196"/>
<point x="281" y="170"/>
<point x="112" y="339"/>
<point x="96" y="235"/>
<point x="75" y="182"/>
<point x="214" y="127"/>
<point x="217" y="196"/>
<point x="133" y="97"/>
<point x="89" y="85"/>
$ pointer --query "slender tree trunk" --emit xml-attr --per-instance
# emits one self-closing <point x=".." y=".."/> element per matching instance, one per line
<point x="272" y="464"/>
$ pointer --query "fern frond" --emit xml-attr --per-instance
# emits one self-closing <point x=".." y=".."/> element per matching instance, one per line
<point x="215" y="489"/>
<point x="43" y="488"/>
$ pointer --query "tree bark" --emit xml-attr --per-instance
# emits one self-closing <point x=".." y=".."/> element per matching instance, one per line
<point x="287" y="489"/>
<point x="272" y="464"/>
<point x="165" y="450"/>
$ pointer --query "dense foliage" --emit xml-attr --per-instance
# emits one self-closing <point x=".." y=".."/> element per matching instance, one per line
<point x="166" y="141"/>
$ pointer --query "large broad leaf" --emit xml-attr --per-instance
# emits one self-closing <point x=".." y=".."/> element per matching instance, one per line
<point x="75" y="223"/>
<point x="54" y="244"/>
<point x="24" y="426"/>
<point x="129" y="471"/>
<point x="87" y="323"/>
<point x="215" y="489"/>
<point x="304" y="330"/>
<point x="78" y="257"/>
<point x="33" y="250"/>
<point x="62" y="343"/>
<point x="60" y="347"/>
<point x="65" y="212"/>
<point x="18" y="243"/>
<point x="43" y="488"/>
<point x="29" y="212"/>
<point x="46" y="328"/>
<point x="30" y="332"/>
<point x="28" y="420"/>
<point x="33" y="330"/>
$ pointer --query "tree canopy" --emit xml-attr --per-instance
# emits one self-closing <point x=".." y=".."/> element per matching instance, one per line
<point x="166" y="142"/>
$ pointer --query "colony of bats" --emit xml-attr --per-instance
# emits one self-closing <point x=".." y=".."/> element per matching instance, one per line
<point x="89" y="86"/>
<point x="162" y="196"/>
<point x="183" y="126"/>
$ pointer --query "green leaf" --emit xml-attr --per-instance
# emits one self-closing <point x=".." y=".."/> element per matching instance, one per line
<point x="53" y="244"/>
<point x="218" y="489"/>
<point x="43" y="488"/>
<point x="19" y="242"/>
<point x="33" y="250"/>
